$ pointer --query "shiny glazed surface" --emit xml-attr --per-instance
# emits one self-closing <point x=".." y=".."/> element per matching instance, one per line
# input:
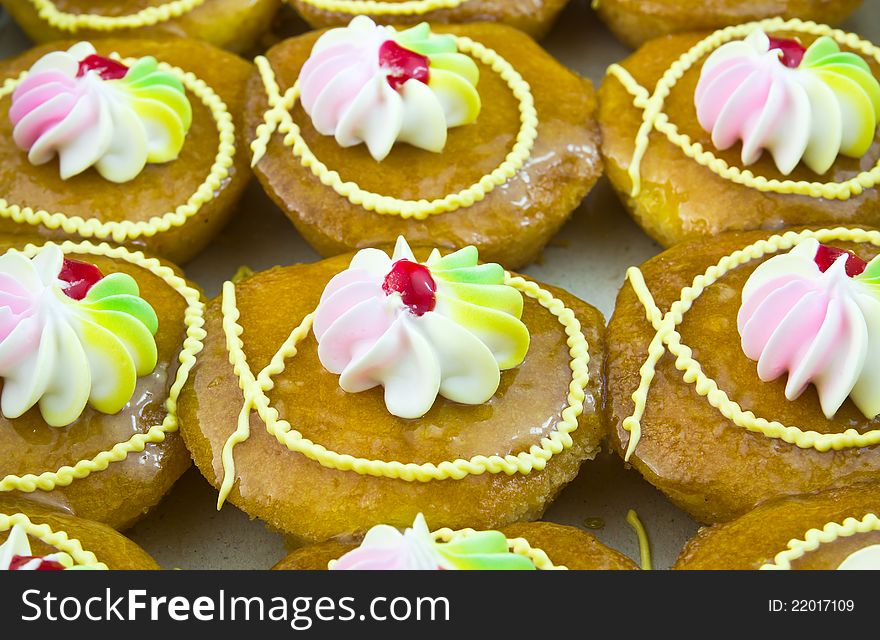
<point x="755" y="538"/>
<point x="314" y="503"/>
<point x="160" y="188"/>
<point x="510" y="225"/>
<point x="682" y="200"/>
<point x="236" y="25"/>
<point x="535" y="17"/>
<point x="124" y="491"/>
<point x="566" y="546"/>
<point x="705" y="464"/>
<point x="111" y="548"/>
<point x="636" y="21"/>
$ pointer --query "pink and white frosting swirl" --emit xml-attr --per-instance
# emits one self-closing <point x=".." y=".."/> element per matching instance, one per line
<point x="447" y="327"/>
<point x="93" y="111"/>
<point x="16" y="554"/>
<point x="815" y="313"/>
<point x="384" y="548"/>
<point x="371" y="84"/>
<point x="799" y="104"/>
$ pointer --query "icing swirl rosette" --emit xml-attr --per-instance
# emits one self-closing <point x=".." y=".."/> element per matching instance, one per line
<point x="799" y="104"/>
<point x="815" y="313"/>
<point x="386" y="549"/>
<point x="375" y="85"/>
<point x="16" y="555"/>
<point x="93" y="111"/>
<point x="70" y="337"/>
<point x="448" y="327"/>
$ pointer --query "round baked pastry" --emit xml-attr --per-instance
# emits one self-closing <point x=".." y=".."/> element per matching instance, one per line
<point x="95" y="344"/>
<point x="634" y="22"/>
<point x="524" y="546"/>
<point x="837" y="529"/>
<point x="36" y="538"/>
<point x="535" y="17"/>
<point x="378" y="387"/>
<point x="745" y="368"/>
<point x="473" y="137"/>
<point x="145" y="150"/>
<point x="758" y="126"/>
<point x="236" y="25"/>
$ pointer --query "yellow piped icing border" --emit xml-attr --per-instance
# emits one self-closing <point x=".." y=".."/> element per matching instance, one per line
<point x="147" y="17"/>
<point x="668" y="338"/>
<point x="379" y="8"/>
<point x="654" y="118"/>
<point x="278" y="117"/>
<point x="192" y="345"/>
<point x="72" y="552"/>
<point x="124" y="230"/>
<point x="254" y="390"/>
<point x="814" y="538"/>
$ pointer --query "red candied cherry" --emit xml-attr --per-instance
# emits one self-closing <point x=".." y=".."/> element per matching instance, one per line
<point x="402" y="64"/>
<point x="79" y="276"/>
<point x="415" y="285"/>
<point x="792" y="51"/>
<point x="18" y="562"/>
<point x="107" y="68"/>
<point x="827" y="256"/>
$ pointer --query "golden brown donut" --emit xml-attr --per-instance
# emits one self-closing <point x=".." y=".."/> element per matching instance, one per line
<point x="565" y="546"/>
<point x="700" y="459"/>
<point x="109" y="547"/>
<point x="124" y="490"/>
<point x="634" y="22"/>
<point x="682" y="200"/>
<point x="159" y="188"/>
<point x="754" y="539"/>
<point x="236" y="25"/>
<point x="535" y="17"/>
<point x="511" y="225"/>
<point x="311" y="502"/>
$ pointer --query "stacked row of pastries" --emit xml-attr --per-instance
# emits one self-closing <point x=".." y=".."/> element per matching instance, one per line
<point x="410" y="401"/>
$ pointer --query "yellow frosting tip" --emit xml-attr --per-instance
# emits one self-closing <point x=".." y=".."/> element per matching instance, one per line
<point x="632" y="519"/>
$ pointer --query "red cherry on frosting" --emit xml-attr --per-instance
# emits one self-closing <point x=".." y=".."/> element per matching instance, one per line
<point x="402" y="64"/>
<point x="415" y="285"/>
<point x="79" y="276"/>
<point x="827" y="256"/>
<point x="792" y="51"/>
<point x="107" y="68"/>
<point x="45" y="565"/>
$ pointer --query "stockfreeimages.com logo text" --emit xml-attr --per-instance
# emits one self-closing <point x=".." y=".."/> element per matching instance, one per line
<point x="300" y="612"/>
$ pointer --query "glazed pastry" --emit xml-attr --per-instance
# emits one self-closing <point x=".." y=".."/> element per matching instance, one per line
<point x="746" y="368"/>
<point x="236" y="25"/>
<point x="759" y="126"/>
<point x="368" y="133"/>
<point x="524" y="547"/>
<point x="95" y="344"/>
<point x="837" y="529"/>
<point x="535" y="17"/>
<point x="128" y="149"/>
<point x="634" y="22"/>
<point x="384" y="386"/>
<point x="34" y="537"/>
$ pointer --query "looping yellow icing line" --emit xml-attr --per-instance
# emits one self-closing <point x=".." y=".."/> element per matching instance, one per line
<point x="72" y="552"/>
<point x="378" y="8"/>
<point x="278" y="117"/>
<point x="632" y="519"/>
<point x="147" y="17"/>
<point x="814" y="538"/>
<point x="668" y="338"/>
<point x="654" y="118"/>
<point x="193" y="320"/>
<point x="254" y="391"/>
<point x="125" y="230"/>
